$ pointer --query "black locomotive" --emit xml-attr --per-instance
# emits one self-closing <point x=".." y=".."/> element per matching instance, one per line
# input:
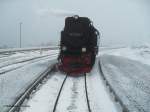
<point x="78" y="45"/>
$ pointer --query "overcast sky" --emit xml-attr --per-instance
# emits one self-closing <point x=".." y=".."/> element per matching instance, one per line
<point x="121" y="22"/>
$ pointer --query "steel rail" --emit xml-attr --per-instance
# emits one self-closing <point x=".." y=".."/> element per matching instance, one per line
<point x="28" y="49"/>
<point x="12" y="69"/>
<point x="86" y="91"/>
<point x="117" y="98"/>
<point x="26" y="60"/>
<point x="17" y="105"/>
<point x="58" y="96"/>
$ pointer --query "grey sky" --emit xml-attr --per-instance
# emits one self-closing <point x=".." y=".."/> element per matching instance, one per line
<point x="121" y="22"/>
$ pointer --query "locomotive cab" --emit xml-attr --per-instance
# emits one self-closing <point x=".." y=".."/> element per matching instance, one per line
<point x="78" y="45"/>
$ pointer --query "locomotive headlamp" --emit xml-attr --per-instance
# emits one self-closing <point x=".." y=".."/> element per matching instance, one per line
<point x="83" y="49"/>
<point x="64" y="48"/>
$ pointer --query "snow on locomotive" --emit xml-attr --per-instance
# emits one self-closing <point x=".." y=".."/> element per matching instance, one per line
<point x="78" y="45"/>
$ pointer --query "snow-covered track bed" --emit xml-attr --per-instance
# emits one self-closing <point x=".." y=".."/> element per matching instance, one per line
<point x="46" y="98"/>
<point x="73" y="96"/>
<point x="100" y="99"/>
<point x="116" y="98"/>
<point x="17" y="105"/>
<point x="28" y="49"/>
<point x="64" y="93"/>
<point x="16" y="65"/>
<point x="60" y="90"/>
<point x="2" y="65"/>
<point x="130" y="80"/>
<point x="87" y="96"/>
<point x="5" y="55"/>
<point x="60" y="93"/>
<point x="86" y="93"/>
<point x="23" y="56"/>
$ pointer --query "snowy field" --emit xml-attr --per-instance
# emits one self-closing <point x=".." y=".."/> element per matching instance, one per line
<point x="140" y="54"/>
<point x="126" y="69"/>
<point x="18" y="70"/>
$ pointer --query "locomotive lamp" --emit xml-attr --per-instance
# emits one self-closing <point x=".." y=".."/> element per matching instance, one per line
<point x="83" y="49"/>
<point x="64" y="48"/>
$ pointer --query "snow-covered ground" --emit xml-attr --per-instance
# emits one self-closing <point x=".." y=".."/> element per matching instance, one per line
<point x="100" y="99"/>
<point x="14" y="83"/>
<point x="128" y="71"/>
<point x="11" y="50"/>
<point x="17" y="57"/>
<point x="19" y="60"/>
<point x="43" y="100"/>
<point x="73" y="96"/>
<point x="141" y="54"/>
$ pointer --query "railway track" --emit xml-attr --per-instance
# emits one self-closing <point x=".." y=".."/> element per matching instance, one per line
<point x="117" y="98"/>
<point x="111" y="90"/>
<point x="70" y="92"/>
<point x="87" y="97"/>
<point x="4" y="56"/>
<point x="22" y="61"/>
<point x="21" y="64"/>
<point x="76" y="88"/>
<point x="18" y="103"/>
<point x="56" y="102"/>
<point x="61" y="90"/>
<point x="25" y="60"/>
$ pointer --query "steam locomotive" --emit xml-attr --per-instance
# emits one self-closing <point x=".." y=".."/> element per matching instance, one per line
<point x="78" y="45"/>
